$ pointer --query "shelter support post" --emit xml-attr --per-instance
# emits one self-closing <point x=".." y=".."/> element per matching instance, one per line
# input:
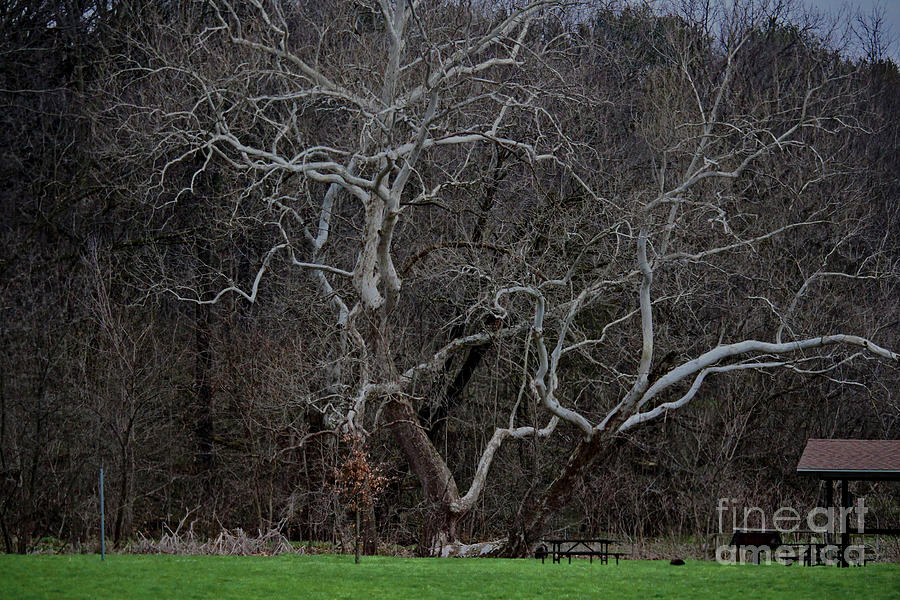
<point x="847" y="502"/>
<point x="829" y="506"/>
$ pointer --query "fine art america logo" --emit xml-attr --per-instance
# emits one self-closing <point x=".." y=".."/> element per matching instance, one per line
<point x="763" y="543"/>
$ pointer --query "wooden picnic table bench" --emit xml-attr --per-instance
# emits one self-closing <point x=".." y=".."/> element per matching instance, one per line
<point x="592" y="547"/>
<point x="756" y="539"/>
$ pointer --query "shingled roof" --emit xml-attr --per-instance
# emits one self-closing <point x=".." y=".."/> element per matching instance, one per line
<point x="851" y="459"/>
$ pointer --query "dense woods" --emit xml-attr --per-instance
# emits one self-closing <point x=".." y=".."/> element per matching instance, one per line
<point x="526" y="265"/>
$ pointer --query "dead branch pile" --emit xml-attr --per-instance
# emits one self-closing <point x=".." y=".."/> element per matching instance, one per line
<point x="236" y="542"/>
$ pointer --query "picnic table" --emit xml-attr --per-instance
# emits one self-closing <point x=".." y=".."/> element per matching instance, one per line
<point x="755" y="538"/>
<point x="591" y="547"/>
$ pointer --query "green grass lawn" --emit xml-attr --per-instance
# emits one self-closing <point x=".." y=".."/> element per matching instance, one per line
<point x="249" y="578"/>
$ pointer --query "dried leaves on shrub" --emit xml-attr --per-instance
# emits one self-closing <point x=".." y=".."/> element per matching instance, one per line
<point x="357" y="482"/>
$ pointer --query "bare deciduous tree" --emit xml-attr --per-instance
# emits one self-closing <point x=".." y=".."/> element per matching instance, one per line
<point x="377" y="144"/>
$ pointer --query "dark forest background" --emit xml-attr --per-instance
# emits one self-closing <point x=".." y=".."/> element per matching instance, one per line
<point x="219" y="413"/>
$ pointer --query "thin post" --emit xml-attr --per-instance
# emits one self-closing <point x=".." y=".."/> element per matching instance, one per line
<point x="102" y="521"/>
<point x="829" y="505"/>
<point x="356" y="550"/>
<point x="845" y="521"/>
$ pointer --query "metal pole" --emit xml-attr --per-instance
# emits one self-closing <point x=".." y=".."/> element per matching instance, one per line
<point x="102" y="521"/>
<point x="845" y="521"/>
<point x="829" y="504"/>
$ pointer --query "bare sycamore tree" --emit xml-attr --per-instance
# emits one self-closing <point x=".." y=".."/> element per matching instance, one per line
<point x="338" y="117"/>
<point x="360" y="134"/>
